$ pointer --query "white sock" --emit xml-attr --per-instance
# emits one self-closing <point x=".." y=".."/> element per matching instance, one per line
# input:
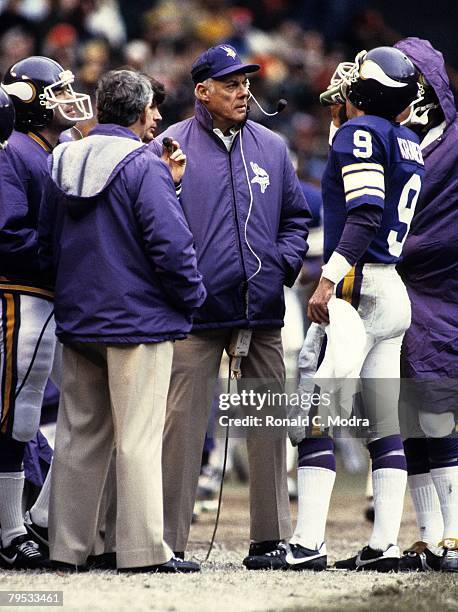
<point x="314" y="486"/>
<point x="446" y="482"/>
<point x="427" y="507"/>
<point x="39" y="510"/>
<point x="11" y="518"/>
<point x="389" y="490"/>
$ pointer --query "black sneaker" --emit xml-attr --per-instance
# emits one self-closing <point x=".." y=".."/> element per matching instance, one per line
<point x="261" y="548"/>
<point x="421" y="558"/>
<point x="23" y="553"/>
<point x="174" y="566"/>
<point x="449" y="562"/>
<point x="370" y="559"/>
<point x="40" y="534"/>
<point x="301" y="558"/>
<point x="346" y="564"/>
<point x="274" y="559"/>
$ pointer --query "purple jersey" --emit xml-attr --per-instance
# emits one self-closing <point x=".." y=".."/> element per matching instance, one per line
<point x="377" y="162"/>
<point x="23" y="168"/>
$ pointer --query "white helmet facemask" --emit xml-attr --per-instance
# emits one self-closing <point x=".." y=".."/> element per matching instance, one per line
<point x="345" y="74"/>
<point x="419" y="113"/>
<point x="81" y="103"/>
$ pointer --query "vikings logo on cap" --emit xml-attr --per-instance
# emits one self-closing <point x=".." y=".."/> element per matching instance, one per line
<point x="230" y="51"/>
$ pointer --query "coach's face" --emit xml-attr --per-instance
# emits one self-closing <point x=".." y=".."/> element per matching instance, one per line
<point x="226" y="99"/>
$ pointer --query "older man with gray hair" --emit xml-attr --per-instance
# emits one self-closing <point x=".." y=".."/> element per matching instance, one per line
<point x="118" y="249"/>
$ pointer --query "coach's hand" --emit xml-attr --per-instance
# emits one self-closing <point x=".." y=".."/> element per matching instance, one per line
<point x="317" y="309"/>
<point x="175" y="159"/>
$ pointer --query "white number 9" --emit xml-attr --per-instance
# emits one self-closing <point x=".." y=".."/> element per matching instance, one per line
<point x="363" y="144"/>
<point x="406" y="210"/>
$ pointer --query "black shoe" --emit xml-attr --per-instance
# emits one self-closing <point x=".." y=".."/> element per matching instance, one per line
<point x="301" y="558"/>
<point x="449" y="562"/>
<point x="105" y="561"/>
<point x="174" y="566"/>
<point x="420" y="558"/>
<point x="40" y="534"/>
<point x="68" y="568"/>
<point x="261" y="548"/>
<point x="274" y="559"/>
<point x="179" y="554"/>
<point x="346" y="564"/>
<point x="373" y="560"/>
<point x="23" y="553"/>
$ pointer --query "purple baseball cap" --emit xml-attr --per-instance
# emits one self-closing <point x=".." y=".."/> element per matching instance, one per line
<point x="217" y="62"/>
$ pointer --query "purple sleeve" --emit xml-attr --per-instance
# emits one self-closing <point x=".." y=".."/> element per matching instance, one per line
<point x="167" y="238"/>
<point x="294" y="222"/>
<point x="361" y="226"/>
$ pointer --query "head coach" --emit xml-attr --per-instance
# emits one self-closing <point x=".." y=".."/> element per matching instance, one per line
<point x="248" y="216"/>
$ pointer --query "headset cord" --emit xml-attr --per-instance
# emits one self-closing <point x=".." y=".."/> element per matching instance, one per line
<point x="223" y="473"/>
<point x="32" y="361"/>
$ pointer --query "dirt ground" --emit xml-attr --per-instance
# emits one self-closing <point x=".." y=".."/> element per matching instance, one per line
<point x="225" y="586"/>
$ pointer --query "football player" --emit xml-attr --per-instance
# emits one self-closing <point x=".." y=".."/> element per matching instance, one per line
<point x="429" y="355"/>
<point x="370" y="187"/>
<point x="45" y="105"/>
<point x="6" y="118"/>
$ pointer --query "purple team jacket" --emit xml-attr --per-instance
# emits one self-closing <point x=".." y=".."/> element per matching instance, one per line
<point x="430" y="264"/>
<point x="114" y="239"/>
<point x="249" y="219"/>
<point x="23" y="169"/>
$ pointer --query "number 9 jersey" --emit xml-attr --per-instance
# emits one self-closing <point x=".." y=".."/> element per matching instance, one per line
<point x="377" y="162"/>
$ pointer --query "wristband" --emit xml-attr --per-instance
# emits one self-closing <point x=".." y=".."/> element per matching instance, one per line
<point x="336" y="268"/>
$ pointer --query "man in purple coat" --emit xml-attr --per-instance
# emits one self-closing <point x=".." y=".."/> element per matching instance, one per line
<point x="430" y="349"/>
<point x="117" y="246"/>
<point x="249" y="218"/>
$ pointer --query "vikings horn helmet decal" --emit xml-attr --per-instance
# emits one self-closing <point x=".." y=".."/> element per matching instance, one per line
<point x="380" y="82"/>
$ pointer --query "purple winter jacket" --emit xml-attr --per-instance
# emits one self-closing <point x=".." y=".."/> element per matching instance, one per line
<point x="23" y="169"/>
<point x="114" y="237"/>
<point x="430" y="255"/>
<point x="244" y="263"/>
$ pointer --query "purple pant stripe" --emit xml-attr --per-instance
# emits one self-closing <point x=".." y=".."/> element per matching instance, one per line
<point x="443" y="452"/>
<point x="416" y="452"/>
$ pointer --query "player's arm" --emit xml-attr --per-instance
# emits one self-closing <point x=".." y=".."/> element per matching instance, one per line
<point x="360" y="159"/>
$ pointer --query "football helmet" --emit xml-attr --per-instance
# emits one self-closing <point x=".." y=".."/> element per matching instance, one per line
<point x="426" y="109"/>
<point x="380" y="82"/>
<point x="6" y="118"/>
<point x="35" y="85"/>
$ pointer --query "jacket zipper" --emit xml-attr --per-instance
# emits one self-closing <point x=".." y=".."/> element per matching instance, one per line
<point x="245" y="284"/>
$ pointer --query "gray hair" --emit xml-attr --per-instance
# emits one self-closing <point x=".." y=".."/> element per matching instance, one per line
<point x="122" y="96"/>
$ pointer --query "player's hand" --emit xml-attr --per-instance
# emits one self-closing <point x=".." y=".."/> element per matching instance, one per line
<point x="175" y="159"/>
<point x="317" y="309"/>
<point x="338" y="114"/>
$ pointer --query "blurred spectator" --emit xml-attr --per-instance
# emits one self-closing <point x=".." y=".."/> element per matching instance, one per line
<point x="15" y="44"/>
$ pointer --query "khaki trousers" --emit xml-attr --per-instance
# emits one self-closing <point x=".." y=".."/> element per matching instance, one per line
<point x="110" y="396"/>
<point x="196" y="363"/>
